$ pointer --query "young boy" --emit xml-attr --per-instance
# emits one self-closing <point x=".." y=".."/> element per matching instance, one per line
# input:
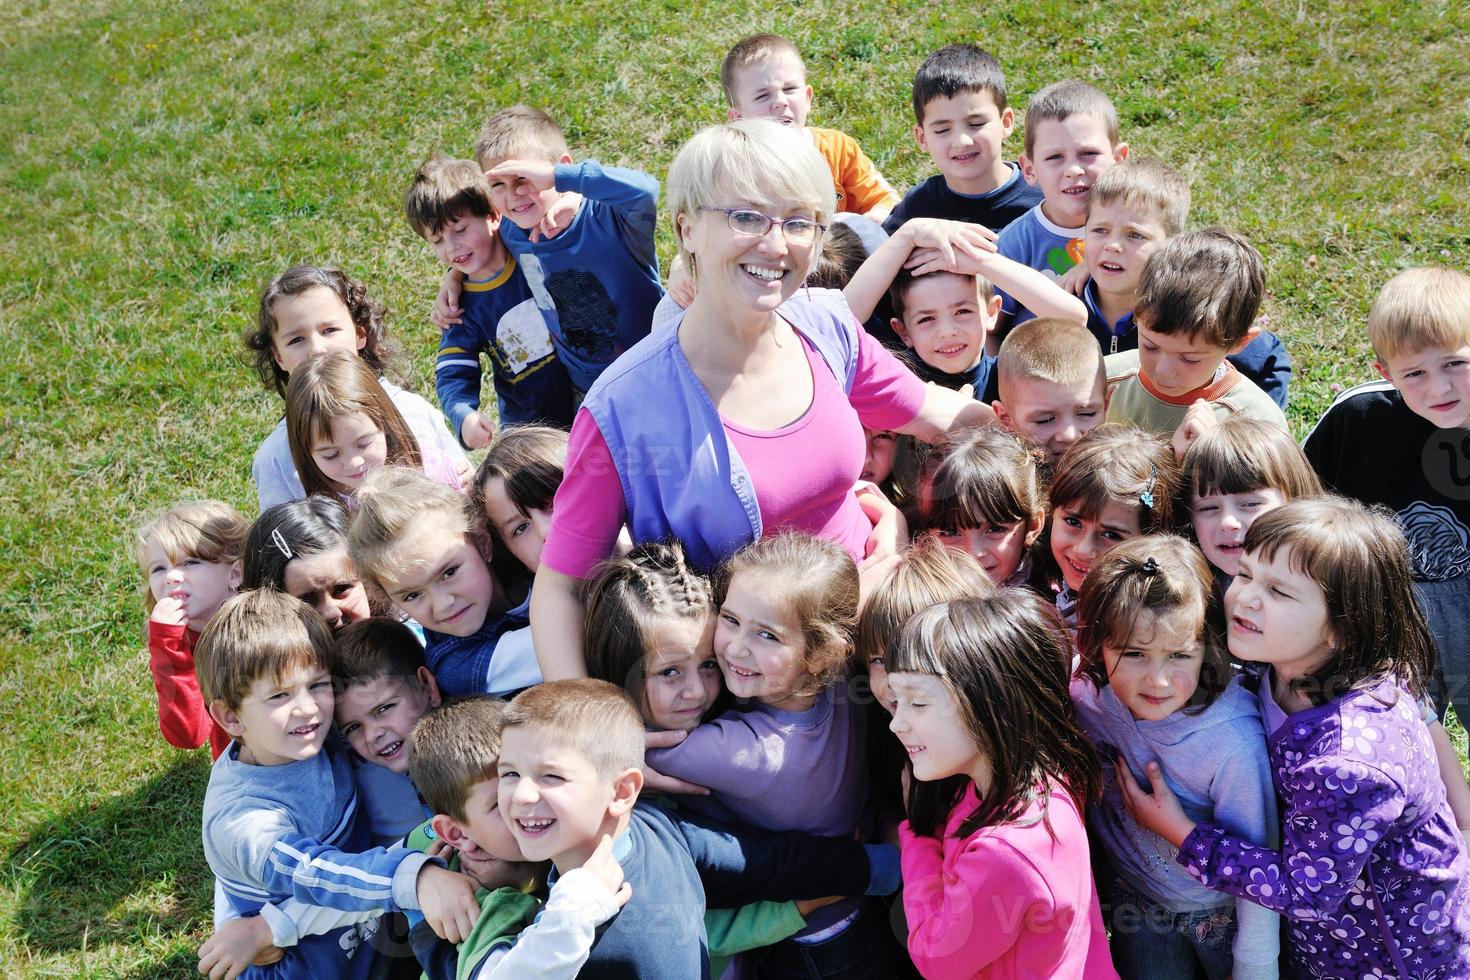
<point x="961" y="120"/>
<point x="1402" y="443"/>
<point x="1197" y="303"/>
<point x="281" y="819"/>
<point x="582" y="233"/>
<point x="571" y="770"/>
<point x="448" y="204"/>
<point x="1071" y="139"/>
<point x="764" y="76"/>
<point x="944" y="316"/>
<point x="1134" y="207"/>
<point x="1052" y="383"/>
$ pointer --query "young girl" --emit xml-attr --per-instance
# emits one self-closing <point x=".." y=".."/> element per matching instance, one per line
<point x="1114" y="483"/>
<point x="342" y="425"/>
<point x="996" y="871"/>
<point x="190" y="559"/>
<point x="1155" y="684"/>
<point x="300" y="548"/>
<point x="1234" y="473"/>
<point x="304" y="311"/>
<point x="1372" y="874"/>
<point x="417" y="540"/>
<point x="515" y="485"/>
<point x="982" y="493"/>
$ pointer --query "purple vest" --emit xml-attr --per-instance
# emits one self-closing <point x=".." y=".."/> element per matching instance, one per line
<point x="681" y="476"/>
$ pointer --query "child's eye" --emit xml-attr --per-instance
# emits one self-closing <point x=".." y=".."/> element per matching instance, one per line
<point x="710" y="664"/>
<point x="1137" y="235"/>
<point x="1088" y="415"/>
<point x="385" y="707"/>
<point x="669" y="672"/>
<point x="410" y="597"/>
<point x="449" y="572"/>
<point x="319" y="685"/>
<point x="508" y="774"/>
<point x="768" y="635"/>
<point x="156" y="569"/>
<point x="350" y="730"/>
<point x="1129" y="654"/>
<point x="729" y="620"/>
<point x="878" y="662"/>
<point x="364" y="442"/>
<point x="275" y="697"/>
<point x="1206" y="508"/>
<point x="520" y="529"/>
<point x="342" y="589"/>
<point x="326" y="454"/>
<point x="1182" y="655"/>
<point x="294" y="341"/>
<point x="1072" y="522"/>
<point x="1189" y="360"/>
<point x="1276" y="591"/>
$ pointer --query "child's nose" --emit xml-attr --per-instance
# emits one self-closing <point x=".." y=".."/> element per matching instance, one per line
<point x="524" y="792"/>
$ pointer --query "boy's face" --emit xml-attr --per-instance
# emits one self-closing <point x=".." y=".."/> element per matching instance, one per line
<point x="946" y="322"/>
<point x="1053" y="415"/>
<point x="774" y="88"/>
<point x="468" y="242"/>
<point x="200" y="586"/>
<point x="516" y="198"/>
<point x="377" y="717"/>
<point x="309" y="323"/>
<point x="485" y="825"/>
<point x="552" y="796"/>
<point x="1068" y="155"/>
<point x="1177" y="363"/>
<point x="281" y="720"/>
<point x="1120" y="237"/>
<point x="1435" y="383"/>
<point x="963" y="135"/>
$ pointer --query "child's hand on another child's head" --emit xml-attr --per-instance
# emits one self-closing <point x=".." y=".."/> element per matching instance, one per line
<point x="1074" y="280"/>
<point x="168" y="611"/>
<point x="1199" y="419"/>
<point x="606" y="869"/>
<point x="949" y="246"/>
<point x="1158" y="811"/>
<point x="476" y="430"/>
<point x="447" y="899"/>
<point x="447" y="311"/>
<point x="237" y="945"/>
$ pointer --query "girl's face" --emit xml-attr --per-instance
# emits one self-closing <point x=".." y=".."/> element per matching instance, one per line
<point x="999" y="547"/>
<point x="882" y="447"/>
<point x="750" y="271"/>
<point x="1077" y="542"/>
<point x="436" y="575"/>
<point x="926" y="720"/>
<point x="199" y="586"/>
<point x="328" y="583"/>
<point x="522" y="533"/>
<point x="354" y="448"/>
<point x="681" y="676"/>
<point x="1157" y="671"/>
<point x="760" y="646"/>
<point x="1221" y="520"/>
<point x="311" y="322"/>
<point x="1278" y="615"/>
<point x="878" y="682"/>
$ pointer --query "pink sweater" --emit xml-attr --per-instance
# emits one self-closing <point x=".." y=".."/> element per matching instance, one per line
<point x="1007" y="901"/>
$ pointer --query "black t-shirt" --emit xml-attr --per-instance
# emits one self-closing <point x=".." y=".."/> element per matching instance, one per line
<point x="994" y="209"/>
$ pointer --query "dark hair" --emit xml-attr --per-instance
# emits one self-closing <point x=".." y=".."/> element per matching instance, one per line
<point x="296" y="529"/>
<point x="379" y="646"/>
<point x="444" y="190"/>
<point x="367" y="313"/>
<point x="957" y="69"/>
<point x="1242" y="455"/>
<point x="1159" y="574"/>
<point x="1359" y="558"/>
<point x="905" y="281"/>
<point x="531" y="459"/>
<point x="1206" y="284"/>
<point x="842" y="254"/>
<point x="1006" y="661"/>
<point x="259" y="633"/>
<point x="1119" y="464"/>
<point x="979" y="476"/>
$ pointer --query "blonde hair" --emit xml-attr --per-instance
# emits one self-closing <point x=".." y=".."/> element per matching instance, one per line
<point x="1242" y="455"/>
<point x="1049" y="349"/>
<point x="388" y="502"/>
<point x="753" y="160"/>
<point x="752" y="50"/>
<point x="594" y="718"/>
<point x="209" y="530"/>
<point x="259" y="633"/>
<point x="926" y="573"/>
<point x="1419" y="308"/>
<point x="456" y="746"/>
<point x="520" y="131"/>
<point x="1145" y="182"/>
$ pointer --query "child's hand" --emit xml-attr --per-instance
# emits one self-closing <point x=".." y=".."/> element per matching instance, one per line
<point x="1199" y="419"/>
<point x="1158" y="811"/>
<point x="235" y="946"/>
<point x="490" y="872"/>
<point x="476" y="431"/>
<point x="949" y="246"/>
<point x="681" y="283"/>
<point x="447" y="899"/>
<point x="557" y="217"/>
<point x="1074" y="280"/>
<point x="606" y="869"/>
<point x="447" y="312"/>
<point x="168" y="611"/>
<point x="657" y="781"/>
<point x="540" y="174"/>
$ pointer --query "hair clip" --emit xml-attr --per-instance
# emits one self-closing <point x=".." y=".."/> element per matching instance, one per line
<point x="280" y="542"/>
<point x="1146" y="496"/>
<point x="1149" y="567"/>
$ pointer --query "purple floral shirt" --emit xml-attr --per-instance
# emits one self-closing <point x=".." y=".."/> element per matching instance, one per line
<point x="1372" y="876"/>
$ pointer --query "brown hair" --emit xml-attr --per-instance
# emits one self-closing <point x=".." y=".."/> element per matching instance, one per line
<point x="842" y="254"/>
<point x="1360" y="560"/>
<point x="1122" y="465"/>
<point x="1050" y="349"/>
<point x="209" y="530"/>
<point x="389" y="501"/>
<point x="531" y="459"/>
<point x="1419" y="308"/>
<point x="367" y="314"/>
<point x="957" y="69"/>
<point x="259" y="633"/>
<point x="819" y="585"/>
<point x="905" y="281"/>
<point x="596" y="719"/>
<point x="1159" y="574"/>
<point x="377" y="647"/>
<point x="327" y="387"/>
<point x="1206" y="284"/>
<point x="752" y="50"/>
<point x="1242" y="455"/>
<point x="925" y="573"/>
<point x="980" y="476"/>
<point x="1005" y="659"/>
<point x="455" y="747"/>
<point x="1062" y="100"/>
<point x="520" y="131"/>
<point x="1145" y="182"/>
<point x="444" y="190"/>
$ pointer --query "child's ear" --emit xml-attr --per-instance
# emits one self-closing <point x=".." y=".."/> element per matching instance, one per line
<point x="919" y="136"/>
<point x="1027" y="170"/>
<point x="1120" y="152"/>
<point x="732" y="114"/>
<point x="227" y="718"/>
<point x="1251" y="334"/>
<point x="1382" y="370"/>
<point x="992" y="311"/>
<point x="567" y="157"/>
<point x="447" y="829"/>
<point x="428" y="682"/>
<point x="1002" y="416"/>
<point x="902" y="331"/>
<point x="1035" y="526"/>
<point x="625" y="792"/>
<point x="1007" y="122"/>
<point x="237" y="573"/>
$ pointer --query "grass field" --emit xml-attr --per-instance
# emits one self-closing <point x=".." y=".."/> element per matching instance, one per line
<point x="160" y="160"/>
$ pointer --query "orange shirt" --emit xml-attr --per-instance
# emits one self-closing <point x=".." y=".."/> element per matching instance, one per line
<point x="860" y="187"/>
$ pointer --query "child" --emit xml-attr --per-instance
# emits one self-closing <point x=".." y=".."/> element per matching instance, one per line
<point x="997" y="878"/>
<point x="304" y="311"/>
<point x="1052" y="384"/>
<point x="416" y="540"/>
<point x="515" y="485"/>
<point x="982" y="493"/>
<point x="1386" y="443"/>
<point x="1372" y="874"/>
<point x="448" y="204"/>
<point x="1155" y="686"/>
<point x="961" y="119"/>
<point x="280" y="815"/>
<point x="1071" y="139"/>
<point x="1197" y="303"/>
<point x="764" y="76"/>
<point x="300" y="548"/>
<point x="1116" y="483"/>
<point x="190" y="559"/>
<point x="343" y="426"/>
<point x="582" y="233"/>
<point x="1133" y="208"/>
<point x="571" y="758"/>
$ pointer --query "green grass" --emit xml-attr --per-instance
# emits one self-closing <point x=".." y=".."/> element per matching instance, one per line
<point x="160" y="160"/>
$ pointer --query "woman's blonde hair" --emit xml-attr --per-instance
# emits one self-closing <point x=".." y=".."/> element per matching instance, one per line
<point x="389" y="501"/>
<point x="209" y="530"/>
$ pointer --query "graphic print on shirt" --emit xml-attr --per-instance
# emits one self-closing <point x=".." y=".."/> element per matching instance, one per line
<point x="521" y="340"/>
<point x="1438" y="543"/>
<point x="576" y="305"/>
